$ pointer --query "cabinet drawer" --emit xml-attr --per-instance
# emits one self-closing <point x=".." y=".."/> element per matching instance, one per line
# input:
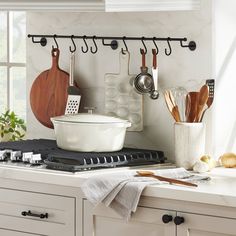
<point x="60" y="212"/>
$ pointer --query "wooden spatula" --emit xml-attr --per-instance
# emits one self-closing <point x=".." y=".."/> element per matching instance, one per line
<point x="203" y="97"/>
<point x="173" y="109"/>
<point x="161" y="178"/>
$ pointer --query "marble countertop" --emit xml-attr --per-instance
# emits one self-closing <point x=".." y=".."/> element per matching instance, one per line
<point x="220" y="190"/>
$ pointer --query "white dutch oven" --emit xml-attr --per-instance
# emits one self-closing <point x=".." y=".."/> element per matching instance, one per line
<point x="90" y="132"/>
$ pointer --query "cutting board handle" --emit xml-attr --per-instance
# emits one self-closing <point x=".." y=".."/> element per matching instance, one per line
<point x="55" y="57"/>
<point x="124" y="63"/>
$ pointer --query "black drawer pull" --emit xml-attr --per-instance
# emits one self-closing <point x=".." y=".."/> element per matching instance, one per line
<point x="167" y="218"/>
<point x="29" y="213"/>
<point x="179" y="220"/>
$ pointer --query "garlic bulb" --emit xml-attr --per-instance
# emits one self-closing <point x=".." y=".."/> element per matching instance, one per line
<point x="201" y="167"/>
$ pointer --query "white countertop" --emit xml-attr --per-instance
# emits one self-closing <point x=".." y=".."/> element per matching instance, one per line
<point x="220" y="190"/>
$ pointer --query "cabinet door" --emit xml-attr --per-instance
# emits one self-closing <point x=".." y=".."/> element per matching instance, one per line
<point x="201" y="225"/>
<point x="58" y="213"/>
<point x="102" y="221"/>
<point x="6" y="232"/>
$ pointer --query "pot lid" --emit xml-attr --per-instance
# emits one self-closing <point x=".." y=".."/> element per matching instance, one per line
<point x="89" y="118"/>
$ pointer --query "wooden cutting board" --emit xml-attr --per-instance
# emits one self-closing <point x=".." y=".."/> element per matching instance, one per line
<point x="121" y="100"/>
<point x="48" y="95"/>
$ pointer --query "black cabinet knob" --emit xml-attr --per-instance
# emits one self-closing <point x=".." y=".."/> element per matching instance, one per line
<point x="167" y="218"/>
<point x="179" y="220"/>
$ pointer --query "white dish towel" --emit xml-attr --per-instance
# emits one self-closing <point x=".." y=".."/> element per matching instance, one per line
<point x="121" y="191"/>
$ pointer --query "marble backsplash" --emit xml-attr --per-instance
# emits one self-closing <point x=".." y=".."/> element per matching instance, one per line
<point x="183" y="67"/>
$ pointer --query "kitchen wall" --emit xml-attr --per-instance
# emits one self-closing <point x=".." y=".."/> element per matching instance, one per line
<point x="224" y="25"/>
<point x="183" y="67"/>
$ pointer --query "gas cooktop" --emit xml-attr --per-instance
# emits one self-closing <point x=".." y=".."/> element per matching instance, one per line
<point x="44" y="153"/>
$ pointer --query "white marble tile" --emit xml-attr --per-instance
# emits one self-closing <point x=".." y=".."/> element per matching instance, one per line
<point x="177" y="69"/>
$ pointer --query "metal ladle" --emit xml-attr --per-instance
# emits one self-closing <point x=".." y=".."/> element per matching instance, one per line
<point x="143" y="82"/>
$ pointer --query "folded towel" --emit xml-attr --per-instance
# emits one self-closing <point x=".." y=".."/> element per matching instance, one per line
<point x="122" y="191"/>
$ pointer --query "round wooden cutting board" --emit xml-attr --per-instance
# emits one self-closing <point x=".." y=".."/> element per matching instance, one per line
<point x="48" y="95"/>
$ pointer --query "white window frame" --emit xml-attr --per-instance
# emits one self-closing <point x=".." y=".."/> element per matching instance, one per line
<point x="8" y="64"/>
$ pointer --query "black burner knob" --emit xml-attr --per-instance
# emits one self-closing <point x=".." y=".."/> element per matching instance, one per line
<point x="167" y="218"/>
<point x="179" y="220"/>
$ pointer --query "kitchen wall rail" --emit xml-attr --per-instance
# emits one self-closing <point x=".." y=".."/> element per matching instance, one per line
<point x="113" y="42"/>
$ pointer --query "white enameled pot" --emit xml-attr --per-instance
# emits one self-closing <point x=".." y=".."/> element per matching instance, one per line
<point x="90" y="132"/>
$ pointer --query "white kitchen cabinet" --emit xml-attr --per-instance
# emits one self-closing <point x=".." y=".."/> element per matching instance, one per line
<point x="203" y="225"/>
<point x="101" y="5"/>
<point x="148" y="221"/>
<point x="50" y="215"/>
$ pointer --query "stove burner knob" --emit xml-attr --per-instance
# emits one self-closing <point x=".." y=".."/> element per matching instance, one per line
<point x="26" y="157"/>
<point x="35" y="159"/>
<point x="3" y="155"/>
<point x="16" y="156"/>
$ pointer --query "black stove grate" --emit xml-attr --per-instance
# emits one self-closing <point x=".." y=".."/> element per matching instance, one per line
<point x="56" y="158"/>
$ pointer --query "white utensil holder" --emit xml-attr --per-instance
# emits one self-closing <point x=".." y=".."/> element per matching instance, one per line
<point x="189" y="143"/>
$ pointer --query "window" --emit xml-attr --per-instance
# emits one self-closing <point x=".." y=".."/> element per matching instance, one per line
<point x="13" y="62"/>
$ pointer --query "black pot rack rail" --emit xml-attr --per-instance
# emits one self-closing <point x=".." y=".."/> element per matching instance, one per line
<point x="113" y="42"/>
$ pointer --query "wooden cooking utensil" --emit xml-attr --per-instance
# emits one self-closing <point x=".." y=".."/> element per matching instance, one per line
<point x="203" y="97"/>
<point x="169" y="104"/>
<point x="172" y="109"/>
<point x="187" y="107"/>
<point x="194" y="97"/>
<point x="161" y="178"/>
<point x="48" y="95"/>
<point x="175" y="110"/>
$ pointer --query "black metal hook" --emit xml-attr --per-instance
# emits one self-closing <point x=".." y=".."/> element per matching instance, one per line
<point x="82" y="48"/>
<point x="192" y="45"/>
<point x="170" y="49"/>
<point x="54" y="37"/>
<point x="157" y="49"/>
<point x="145" y="48"/>
<point x="72" y="36"/>
<point x="126" y="48"/>
<point x="96" y="47"/>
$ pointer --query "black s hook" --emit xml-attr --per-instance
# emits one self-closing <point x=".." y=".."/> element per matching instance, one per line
<point x="54" y="38"/>
<point x="157" y="49"/>
<point x="72" y="36"/>
<point x="96" y="47"/>
<point x="145" y="48"/>
<point x="170" y="50"/>
<point x="82" y="48"/>
<point x="126" y="48"/>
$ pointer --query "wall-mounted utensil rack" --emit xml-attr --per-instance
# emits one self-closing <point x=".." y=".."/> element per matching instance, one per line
<point x="42" y="40"/>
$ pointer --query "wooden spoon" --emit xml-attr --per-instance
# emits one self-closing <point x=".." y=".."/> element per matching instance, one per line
<point x="203" y="97"/>
<point x="161" y="178"/>
<point x="194" y="97"/>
